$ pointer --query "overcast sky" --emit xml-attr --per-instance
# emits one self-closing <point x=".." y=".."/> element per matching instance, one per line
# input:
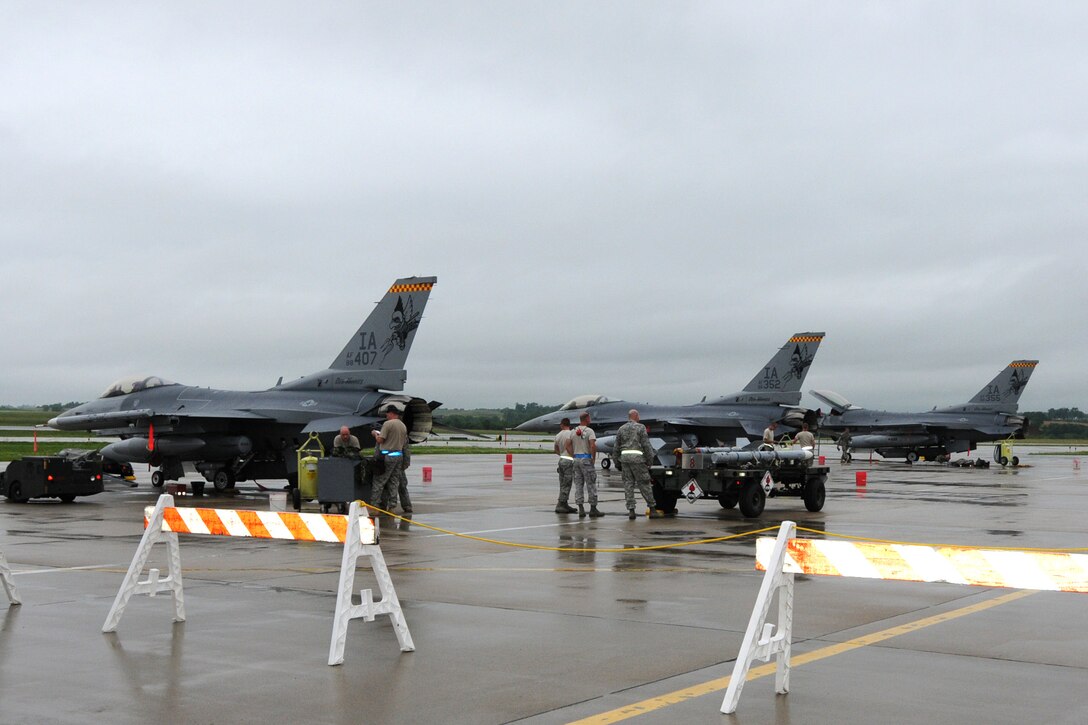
<point x="637" y="199"/>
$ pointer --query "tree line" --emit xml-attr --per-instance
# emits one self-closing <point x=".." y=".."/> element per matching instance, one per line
<point x="492" y="418"/>
<point x="1056" y="423"/>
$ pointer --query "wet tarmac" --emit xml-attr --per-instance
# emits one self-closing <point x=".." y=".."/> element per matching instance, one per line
<point x="506" y="634"/>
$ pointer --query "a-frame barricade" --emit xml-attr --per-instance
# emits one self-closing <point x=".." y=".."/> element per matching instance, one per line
<point x="153" y="533"/>
<point x="773" y="638"/>
<point x="782" y="558"/>
<point x="354" y="547"/>
<point x="8" y="581"/>
<point x="356" y="531"/>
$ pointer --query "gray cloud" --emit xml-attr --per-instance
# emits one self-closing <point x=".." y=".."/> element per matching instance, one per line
<point x="629" y="198"/>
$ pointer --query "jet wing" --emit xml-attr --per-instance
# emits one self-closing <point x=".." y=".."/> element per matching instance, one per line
<point x="334" y="424"/>
<point x="750" y="426"/>
<point x="221" y="413"/>
<point x="684" y="423"/>
<point x="995" y="431"/>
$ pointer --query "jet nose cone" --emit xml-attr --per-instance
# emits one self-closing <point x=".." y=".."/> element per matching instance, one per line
<point x="534" y="425"/>
<point x="53" y="422"/>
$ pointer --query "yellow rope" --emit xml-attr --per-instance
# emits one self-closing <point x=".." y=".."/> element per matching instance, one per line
<point x="715" y="540"/>
<point x="537" y="547"/>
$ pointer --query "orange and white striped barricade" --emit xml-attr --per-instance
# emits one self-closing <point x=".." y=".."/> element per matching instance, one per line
<point x="1039" y="570"/>
<point x="784" y="556"/>
<point x="357" y="532"/>
<point x="769" y="643"/>
<point x="8" y="582"/>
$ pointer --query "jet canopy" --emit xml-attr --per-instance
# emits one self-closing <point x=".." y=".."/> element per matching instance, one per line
<point x="585" y="401"/>
<point x="134" y="384"/>
<point x="830" y="397"/>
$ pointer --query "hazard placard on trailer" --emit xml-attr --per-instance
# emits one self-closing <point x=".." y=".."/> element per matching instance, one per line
<point x="692" y="491"/>
<point x="767" y="482"/>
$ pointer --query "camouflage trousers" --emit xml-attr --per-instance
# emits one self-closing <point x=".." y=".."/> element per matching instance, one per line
<point x="585" y="480"/>
<point x="636" y="473"/>
<point x="566" y="478"/>
<point x="384" y="488"/>
<point x="400" y="492"/>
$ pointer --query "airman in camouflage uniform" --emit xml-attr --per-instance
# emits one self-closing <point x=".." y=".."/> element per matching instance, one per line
<point x="635" y="457"/>
<point x="583" y="447"/>
<point x="565" y="468"/>
<point x="390" y="441"/>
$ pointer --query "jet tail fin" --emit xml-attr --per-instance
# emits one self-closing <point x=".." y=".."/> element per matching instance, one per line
<point x="384" y="339"/>
<point x="1003" y="392"/>
<point x="375" y="355"/>
<point x="781" y="378"/>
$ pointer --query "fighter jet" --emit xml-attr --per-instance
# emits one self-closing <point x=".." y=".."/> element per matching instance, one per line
<point x="772" y="396"/>
<point x="989" y="416"/>
<point x="235" y="436"/>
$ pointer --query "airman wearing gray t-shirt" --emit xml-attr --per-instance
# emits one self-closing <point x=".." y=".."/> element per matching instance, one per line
<point x="390" y="443"/>
<point x="583" y="447"/>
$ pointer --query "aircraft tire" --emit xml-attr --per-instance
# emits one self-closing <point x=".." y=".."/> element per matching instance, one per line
<point x="222" y="480"/>
<point x="752" y="500"/>
<point x="157" y="479"/>
<point x="814" y="494"/>
<point x="606" y="463"/>
<point x="912" y="456"/>
<point x="664" y="501"/>
<point x="15" y="493"/>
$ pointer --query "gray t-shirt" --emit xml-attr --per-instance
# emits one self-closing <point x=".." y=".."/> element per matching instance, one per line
<point x="561" y="439"/>
<point x="394" y="435"/>
<point x="583" y="434"/>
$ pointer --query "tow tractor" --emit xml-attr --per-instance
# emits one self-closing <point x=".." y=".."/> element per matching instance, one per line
<point x="735" y="476"/>
<point x="63" y="476"/>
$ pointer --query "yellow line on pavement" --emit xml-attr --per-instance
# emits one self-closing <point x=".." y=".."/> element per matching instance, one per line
<point x="706" y="688"/>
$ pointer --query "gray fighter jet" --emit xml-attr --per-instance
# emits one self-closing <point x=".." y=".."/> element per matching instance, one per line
<point x="989" y="416"/>
<point x="772" y="396"/>
<point x="235" y="436"/>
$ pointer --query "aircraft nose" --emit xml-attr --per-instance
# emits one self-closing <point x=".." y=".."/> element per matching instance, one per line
<point x="533" y="425"/>
<point x="52" y="423"/>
